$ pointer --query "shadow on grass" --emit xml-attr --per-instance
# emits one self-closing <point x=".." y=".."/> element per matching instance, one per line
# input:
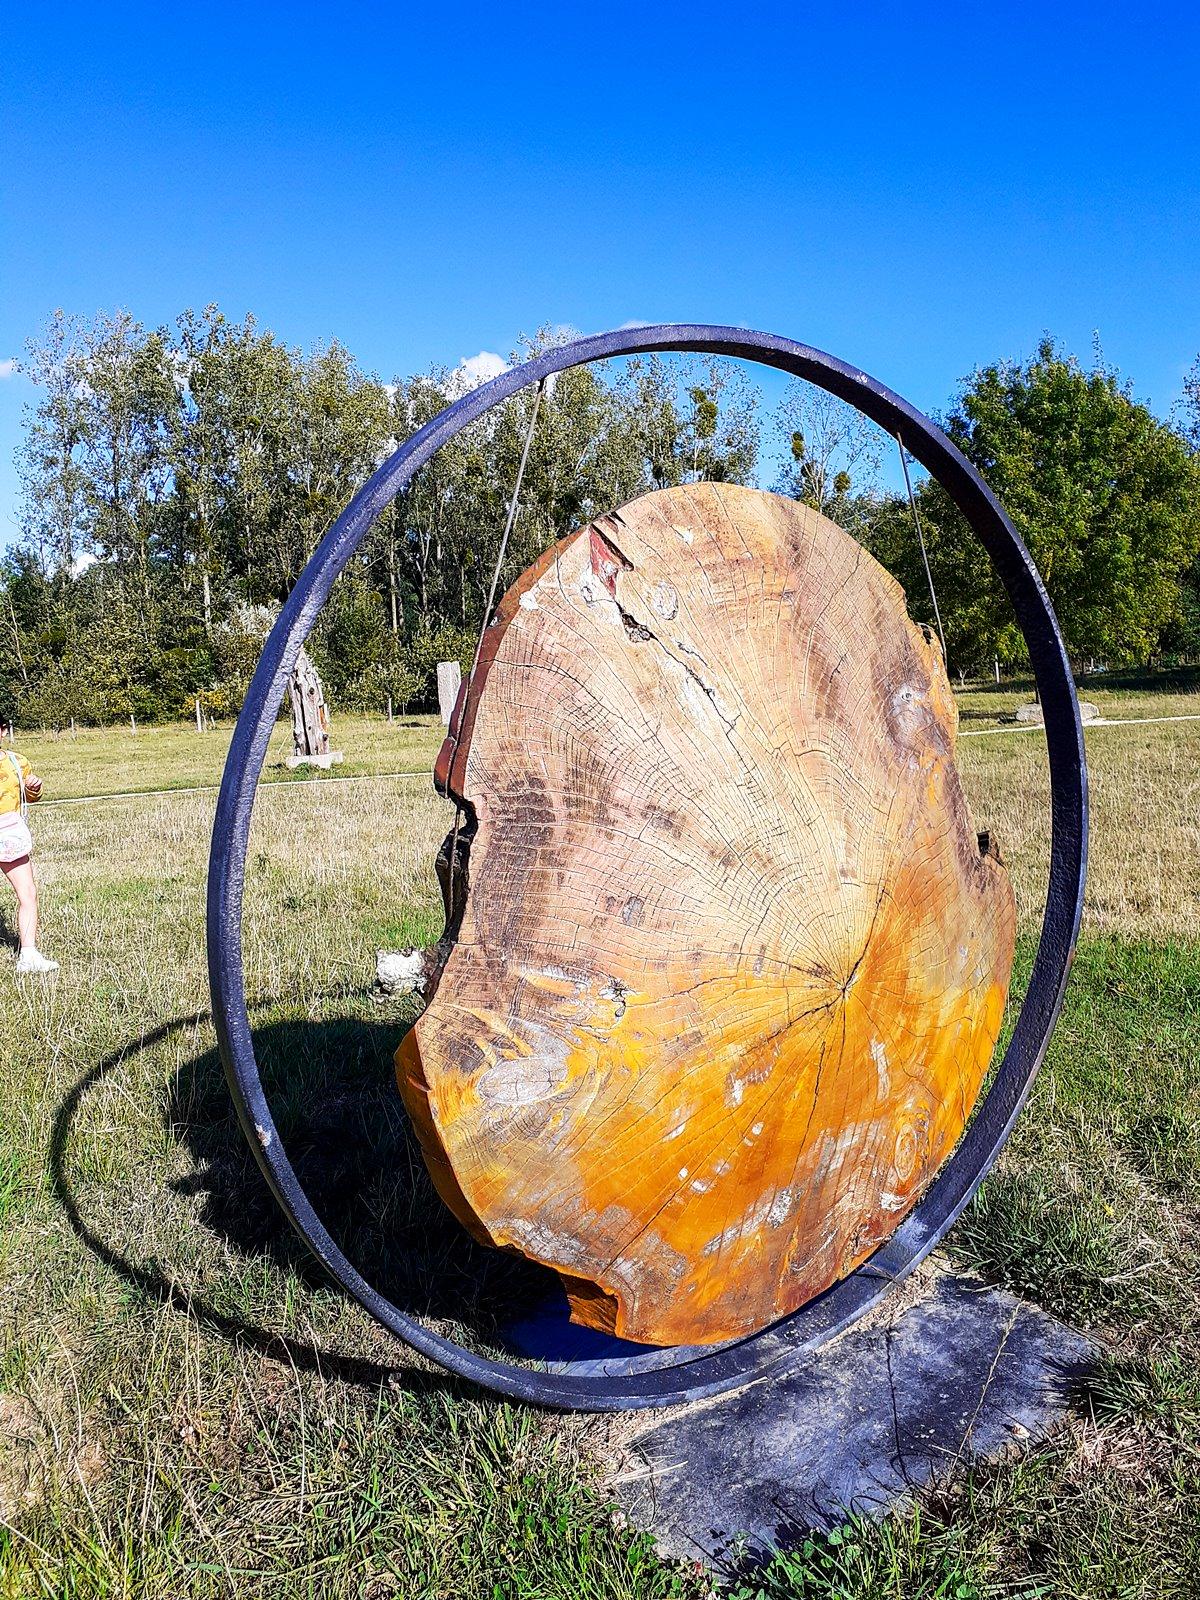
<point x="1146" y="680"/>
<point x="984" y="714"/>
<point x="346" y="1133"/>
<point x="1150" y="680"/>
<point x="331" y="1087"/>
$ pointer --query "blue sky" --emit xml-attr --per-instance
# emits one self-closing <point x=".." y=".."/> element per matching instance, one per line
<point x="918" y="189"/>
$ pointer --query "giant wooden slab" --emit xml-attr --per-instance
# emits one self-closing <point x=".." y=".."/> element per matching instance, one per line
<point x="725" y="958"/>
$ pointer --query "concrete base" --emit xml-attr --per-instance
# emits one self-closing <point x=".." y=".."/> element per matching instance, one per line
<point x="966" y="1372"/>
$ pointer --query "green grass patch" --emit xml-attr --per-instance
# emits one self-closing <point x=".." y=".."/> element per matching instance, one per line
<point x="909" y="1558"/>
<point x="171" y="756"/>
<point x="1089" y="1209"/>
<point x="188" y="1409"/>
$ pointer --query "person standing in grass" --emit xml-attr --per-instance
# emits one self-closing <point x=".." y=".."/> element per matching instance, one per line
<point x="18" y="788"/>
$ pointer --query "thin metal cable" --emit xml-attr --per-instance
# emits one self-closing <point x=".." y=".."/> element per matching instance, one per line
<point x="916" y="516"/>
<point x="514" y="505"/>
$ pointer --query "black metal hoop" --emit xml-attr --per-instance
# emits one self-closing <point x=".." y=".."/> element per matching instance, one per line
<point x="666" y="1376"/>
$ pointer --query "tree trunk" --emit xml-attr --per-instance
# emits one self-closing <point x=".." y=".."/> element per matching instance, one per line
<point x="16" y="633"/>
<point x="393" y="595"/>
<point x="725" y="959"/>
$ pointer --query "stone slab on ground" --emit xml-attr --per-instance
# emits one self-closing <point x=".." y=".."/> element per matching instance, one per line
<point x="449" y="678"/>
<point x="967" y="1372"/>
<point x="1033" y="712"/>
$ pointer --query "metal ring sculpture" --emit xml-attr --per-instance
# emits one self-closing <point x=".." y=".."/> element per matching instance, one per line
<point x="667" y="1376"/>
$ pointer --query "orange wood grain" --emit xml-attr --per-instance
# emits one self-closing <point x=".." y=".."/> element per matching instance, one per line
<point x="730" y="962"/>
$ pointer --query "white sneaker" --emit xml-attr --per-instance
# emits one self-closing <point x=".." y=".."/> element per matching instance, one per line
<point x="30" y="961"/>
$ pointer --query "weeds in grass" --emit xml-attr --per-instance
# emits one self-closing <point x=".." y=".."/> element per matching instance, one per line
<point x="898" y="1559"/>
<point x="1157" y="1395"/>
<point x="1067" y="1223"/>
<point x="187" y="1409"/>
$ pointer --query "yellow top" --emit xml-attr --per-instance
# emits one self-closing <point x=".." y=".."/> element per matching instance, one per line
<point x="10" y="789"/>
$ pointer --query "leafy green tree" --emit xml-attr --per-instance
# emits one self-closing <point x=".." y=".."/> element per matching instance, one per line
<point x="176" y="481"/>
<point x="1189" y="407"/>
<point x="1182" y="636"/>
<point x="49" y="460"/>
<point x="699" y="425"/>
<point x="1106" y="496"/>
<point x="352" y="643"/>
<point x="128" y="385"/>
<point x="834" y="451"/>
<point x="976" y="616"/>
<point x="597" y="442"/>
<point x="232" y="458"/>
<point x="204" y="454"/>
<point x="337" y="430"/>
<point x="28" y="617"/>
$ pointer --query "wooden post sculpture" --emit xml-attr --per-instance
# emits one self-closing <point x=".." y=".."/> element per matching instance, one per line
<point x="725" y="959"/>
<point x="310" y="718"/>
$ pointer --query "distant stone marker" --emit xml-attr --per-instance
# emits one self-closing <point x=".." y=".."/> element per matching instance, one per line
<point x="449" y="678"/>
<point x="310" y="719"/>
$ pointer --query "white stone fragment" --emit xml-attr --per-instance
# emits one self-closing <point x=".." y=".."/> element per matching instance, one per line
<point x="400" y="971"/>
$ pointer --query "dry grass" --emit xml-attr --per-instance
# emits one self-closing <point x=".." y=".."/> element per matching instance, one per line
<point x="117" y="760"/>
<point x="1145" y="822"/>
<point x="187" y="1409"/>
<point x="1167" y="694"/>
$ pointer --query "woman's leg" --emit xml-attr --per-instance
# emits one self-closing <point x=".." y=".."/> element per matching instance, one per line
<point x="20" y="875"/>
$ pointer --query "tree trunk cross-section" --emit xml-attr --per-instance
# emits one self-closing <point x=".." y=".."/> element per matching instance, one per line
<point x="725" y="959"/>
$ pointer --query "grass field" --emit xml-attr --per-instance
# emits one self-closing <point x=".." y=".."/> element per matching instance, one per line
<point x="1172" y="693"/>
<point x="187" y="1409"/>
<point x="115" y="761"/>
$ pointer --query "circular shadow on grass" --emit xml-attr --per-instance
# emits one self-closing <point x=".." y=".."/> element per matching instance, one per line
<point x="333" y="1092"/>
<point x="345" y="1130"/>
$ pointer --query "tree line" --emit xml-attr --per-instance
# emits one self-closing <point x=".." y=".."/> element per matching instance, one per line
<point x="175" y="480"/>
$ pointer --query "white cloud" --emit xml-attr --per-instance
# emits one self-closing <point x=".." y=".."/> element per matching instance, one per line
<point x="471" y="371"/>
<point x="478" y="369"/>
<point x="8" y="366"/>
